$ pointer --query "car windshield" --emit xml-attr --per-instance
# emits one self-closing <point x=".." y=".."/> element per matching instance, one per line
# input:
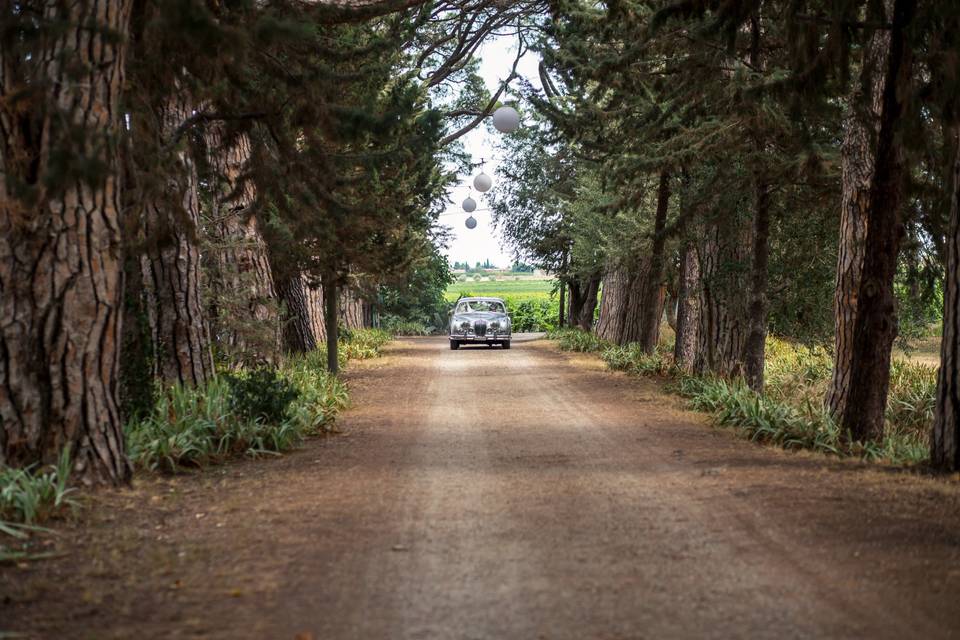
<point x="480" y="305"/>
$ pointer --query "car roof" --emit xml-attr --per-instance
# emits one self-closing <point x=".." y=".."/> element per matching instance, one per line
<point x="480" y="299"/>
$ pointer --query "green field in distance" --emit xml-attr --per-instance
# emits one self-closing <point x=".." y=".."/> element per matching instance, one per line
<point x="517" y="290"/>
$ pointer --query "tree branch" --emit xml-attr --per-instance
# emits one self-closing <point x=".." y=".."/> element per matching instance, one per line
<point x="488" y="109"/>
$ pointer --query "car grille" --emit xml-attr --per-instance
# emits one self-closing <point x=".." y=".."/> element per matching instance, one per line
<point x="480" y="328"/>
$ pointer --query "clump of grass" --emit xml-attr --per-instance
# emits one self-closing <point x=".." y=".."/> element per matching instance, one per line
<point x="34" y="494"/>
<point x="251" y="412"/>
<point x="362" y="344"/>
<point x="632" y="359"/>
<point x="790" y="411"/>
<point x="263" y="411"/>
<point x="578" y="340"/>
<point x="320" y="396"/>
<point x="761" y="418"/>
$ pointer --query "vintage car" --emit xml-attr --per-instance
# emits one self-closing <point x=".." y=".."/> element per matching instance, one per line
<point x="480" y="321"/>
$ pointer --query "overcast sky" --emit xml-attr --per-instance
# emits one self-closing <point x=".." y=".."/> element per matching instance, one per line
<point x="476" y="245"/>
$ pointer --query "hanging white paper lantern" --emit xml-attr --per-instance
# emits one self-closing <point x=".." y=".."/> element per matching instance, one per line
<point x="482" y="183"/>
<point x="471" y="223"/>
<point x="506" y="119"/>
<point x="469" y="204"/>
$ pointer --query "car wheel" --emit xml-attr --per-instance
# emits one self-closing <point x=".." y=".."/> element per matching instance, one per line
<point x="506" y="344"/>
<point x="454" y="345"/>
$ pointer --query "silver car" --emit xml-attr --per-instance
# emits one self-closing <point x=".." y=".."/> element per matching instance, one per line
<point x="480" y="321"/>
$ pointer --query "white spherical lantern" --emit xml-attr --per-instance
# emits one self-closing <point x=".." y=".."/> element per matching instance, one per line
<point x="482" y="183"/>
<point x="469" y="205"/>
<point x="471" y="223"/>
<point x="506" y="119"/>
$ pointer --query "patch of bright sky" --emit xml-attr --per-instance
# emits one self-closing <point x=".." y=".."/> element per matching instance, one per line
<point x="477" y="245"/>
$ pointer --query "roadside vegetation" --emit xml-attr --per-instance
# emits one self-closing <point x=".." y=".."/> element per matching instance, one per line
<point x="789" y="412"/>
<point x="533" y="305"/>
<point x="252" y="412"/>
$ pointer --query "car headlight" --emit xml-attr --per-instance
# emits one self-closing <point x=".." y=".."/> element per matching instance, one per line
<point x="465" y="325"/>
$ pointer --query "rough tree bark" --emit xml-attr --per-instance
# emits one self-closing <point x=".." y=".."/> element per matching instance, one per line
<point x="688" y="308"/>
<point x="574" y="302"/>
<point x="858" y="158"/>
<point x="945" y="440"/>
<point x="875" y="324"/>
<point x="299" y="307"/>
<point x="60" y="255"/>
<point x="330" y="307"/>
<point x="590" y="292"/>
<point x="170" y="267"/>
<point x="723" y="325"/>
<point x="245" y="312"/>
<point x="654" y="288"/>
<point x="352" y="309"/>
<point x="623" y="301"/>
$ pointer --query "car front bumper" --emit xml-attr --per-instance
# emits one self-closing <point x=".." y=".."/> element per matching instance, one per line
<point x="475" y="339"/>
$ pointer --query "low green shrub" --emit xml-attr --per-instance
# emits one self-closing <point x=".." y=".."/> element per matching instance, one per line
<point x="260" y="395"/>
<point x="362" y="344"/>
<point x="761" y="418"/>
<point x="632" y="359"/>
<point x="251" y="413"/>
<point x="578" y="340"/>
<point x="34" y="494"/>
<point x="790" y="411"/>
<point x="257" y="411"/>
<point x="538" y="314"/>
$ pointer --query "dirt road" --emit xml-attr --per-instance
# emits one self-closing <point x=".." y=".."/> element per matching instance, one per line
<point x="508" y="494"/>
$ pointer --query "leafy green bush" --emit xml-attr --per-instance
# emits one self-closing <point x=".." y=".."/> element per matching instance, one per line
<point x="246" y="412"/>
<point x="260" y="394"/>
<point x="34" y="494"/>
<point x="532" y="315"/>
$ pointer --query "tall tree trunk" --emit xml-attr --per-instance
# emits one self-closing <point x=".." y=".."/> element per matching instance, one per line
<point x="945" y="440"/>
<point x="245" y="322"/>
<point x="60" y="258"/>
<point x="621" y="307"/>
<point x="298" y="334"/>
<point x="723" y="325"/>
<point x="858" y="166"/>
<point x="351" y="308"/>
<point x="875" y="324"/>
<point x="317" y="317"/>
<point x="589" y="305"/>
<point x="170" y="267"/>
<point x="755" y="347"/>
<point x="613" y="304"/>
<point x="563" y="303"/>
<point x="654" y="287"/>
<point x="574" y="302"/>
<point x="330" y="316"/>
<point x="688" y="308"/>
